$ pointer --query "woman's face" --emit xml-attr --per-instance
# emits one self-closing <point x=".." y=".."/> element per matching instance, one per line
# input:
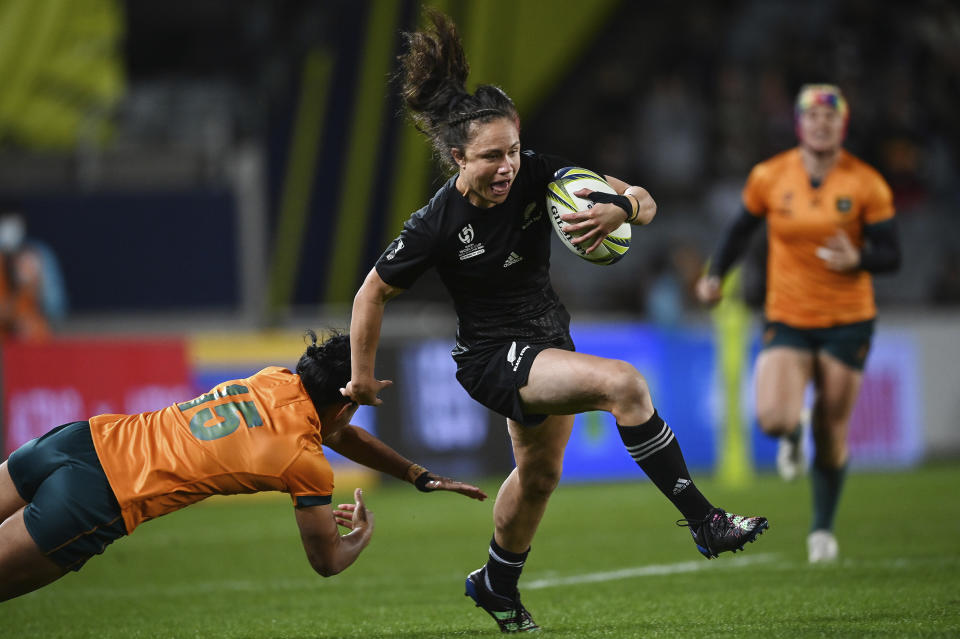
<point x="489" y="163"/>
<point x="821" y="128"/>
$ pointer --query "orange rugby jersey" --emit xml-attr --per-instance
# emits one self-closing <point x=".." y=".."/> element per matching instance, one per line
<point x="801" y="290"/>
<point x="245" y="436"/>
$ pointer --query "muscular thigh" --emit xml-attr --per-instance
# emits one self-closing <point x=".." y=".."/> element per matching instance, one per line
<point x="837" y="389"/>
<point x="782" y="376"/>
<point x="23" y="566"/>
<point x="564" y="382"/>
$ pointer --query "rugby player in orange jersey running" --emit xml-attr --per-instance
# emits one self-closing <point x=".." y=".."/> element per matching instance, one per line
<point x="830" y="226"/>
<point x="68" y="494"/>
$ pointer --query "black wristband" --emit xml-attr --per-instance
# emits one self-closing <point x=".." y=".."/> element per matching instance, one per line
<point x="599" y="197"/>
<point x="421" y="482"/>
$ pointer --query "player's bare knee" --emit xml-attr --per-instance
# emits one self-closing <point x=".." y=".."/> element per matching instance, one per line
<point x="540" y="484"/>
<point x="627" y="389"/>
<point x="775" y="422"/>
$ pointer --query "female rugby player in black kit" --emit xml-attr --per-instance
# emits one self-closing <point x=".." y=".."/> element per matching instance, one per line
<point x="488" y="236"/>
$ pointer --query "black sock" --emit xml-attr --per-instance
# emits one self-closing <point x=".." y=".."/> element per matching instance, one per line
<point x="503" y="569"/>
<point x="827" y="485"/>
<point x="796" y="435"/>
<point x="655" y="449"/>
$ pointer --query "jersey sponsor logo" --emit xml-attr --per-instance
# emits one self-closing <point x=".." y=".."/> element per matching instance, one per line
<point x="472" y="249"/>
<point x="512" y="259"/>
<point x="396" y="249"/>
<point x="530" y="215"/>
<point x="844" y="204"/>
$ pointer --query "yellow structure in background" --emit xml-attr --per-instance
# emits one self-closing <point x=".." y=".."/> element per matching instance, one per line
<point x="732" y="325"/>
<point x="315" y="87"/>
<point x="62" y="71"/>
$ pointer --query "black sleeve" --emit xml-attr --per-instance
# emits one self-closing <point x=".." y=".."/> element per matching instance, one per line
<point x="881" y="247"/>
<point x="542" y="166"/>
<point x="734" y="242"/>
<point x="411" y="254"/>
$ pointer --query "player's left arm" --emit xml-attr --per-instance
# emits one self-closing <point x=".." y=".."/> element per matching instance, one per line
<point x="881" y="247"/>
<point x="329" y="552"/>
<point x="358" y="445"/>
<point x="880" y="252"/>
<point x="632" y="204"/>
<point x="646" y="206"/>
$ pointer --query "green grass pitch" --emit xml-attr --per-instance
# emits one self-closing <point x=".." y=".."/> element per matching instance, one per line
<point x="607" y="562"/>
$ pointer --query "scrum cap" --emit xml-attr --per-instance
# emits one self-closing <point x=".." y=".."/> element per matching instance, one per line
<point x="825" y="94"/>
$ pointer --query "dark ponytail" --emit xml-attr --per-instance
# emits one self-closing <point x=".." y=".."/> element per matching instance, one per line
<point x="325" y="368"/>
<point x="433" y="78"/>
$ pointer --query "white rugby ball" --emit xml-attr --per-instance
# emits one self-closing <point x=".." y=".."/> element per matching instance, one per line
<point x="561" y="199"/>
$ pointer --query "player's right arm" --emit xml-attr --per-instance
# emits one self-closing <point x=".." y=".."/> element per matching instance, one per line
<point x="358" y="445"/>
<point x="328" y="551"/>
<point x="736" y="236"/>
<point x="732" y="246"/>
<point x="365" y="323"/>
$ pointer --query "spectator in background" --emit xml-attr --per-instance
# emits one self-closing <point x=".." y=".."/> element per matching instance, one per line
<point x="32" y="295"/>
<point x="830" y="227"/>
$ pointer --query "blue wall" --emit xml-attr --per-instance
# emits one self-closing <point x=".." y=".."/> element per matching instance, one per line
<point x="141" y="252"/>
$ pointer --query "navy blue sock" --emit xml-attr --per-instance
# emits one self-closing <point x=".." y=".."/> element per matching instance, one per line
<point x="655" y="449"/>
<point x="827" y="484"/>
<point x="503" y="569"/>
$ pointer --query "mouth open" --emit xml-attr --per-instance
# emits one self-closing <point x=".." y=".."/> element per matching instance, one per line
<point x="500" y="188"/>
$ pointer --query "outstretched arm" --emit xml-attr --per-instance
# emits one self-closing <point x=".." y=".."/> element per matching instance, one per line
<point x="328" y="551"/>
<point x="358" y="445"/>
<point x="368" y="307"/>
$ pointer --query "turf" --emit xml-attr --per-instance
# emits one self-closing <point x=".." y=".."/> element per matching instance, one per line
<point x="607" y="562"/>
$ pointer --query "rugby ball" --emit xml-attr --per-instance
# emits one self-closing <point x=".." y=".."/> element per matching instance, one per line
<point x="561" y="199"/>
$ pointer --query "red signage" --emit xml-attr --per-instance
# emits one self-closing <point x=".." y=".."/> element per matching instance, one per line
<point x="52" y="383"/>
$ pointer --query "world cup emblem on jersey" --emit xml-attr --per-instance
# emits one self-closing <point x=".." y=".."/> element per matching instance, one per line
<point x="844" y="204"/>
<point x="466" y="234"/>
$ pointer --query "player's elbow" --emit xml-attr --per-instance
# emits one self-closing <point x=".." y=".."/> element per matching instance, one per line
<point x="324" y="560"/>
<point x="327" y="571"/>
<point x="326" y="567"/>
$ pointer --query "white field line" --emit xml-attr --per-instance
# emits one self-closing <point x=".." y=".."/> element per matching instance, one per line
<point x="653" y="570"/>
<point x="774" y="561"/>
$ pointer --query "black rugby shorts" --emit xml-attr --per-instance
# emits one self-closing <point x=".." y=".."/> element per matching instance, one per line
<point x="494" y="376"/>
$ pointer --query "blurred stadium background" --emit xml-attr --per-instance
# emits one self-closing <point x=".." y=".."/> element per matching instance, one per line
<point x="215" y="176"/>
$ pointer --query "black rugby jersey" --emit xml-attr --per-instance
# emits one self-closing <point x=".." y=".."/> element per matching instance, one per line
<point x="494" y="262"/>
